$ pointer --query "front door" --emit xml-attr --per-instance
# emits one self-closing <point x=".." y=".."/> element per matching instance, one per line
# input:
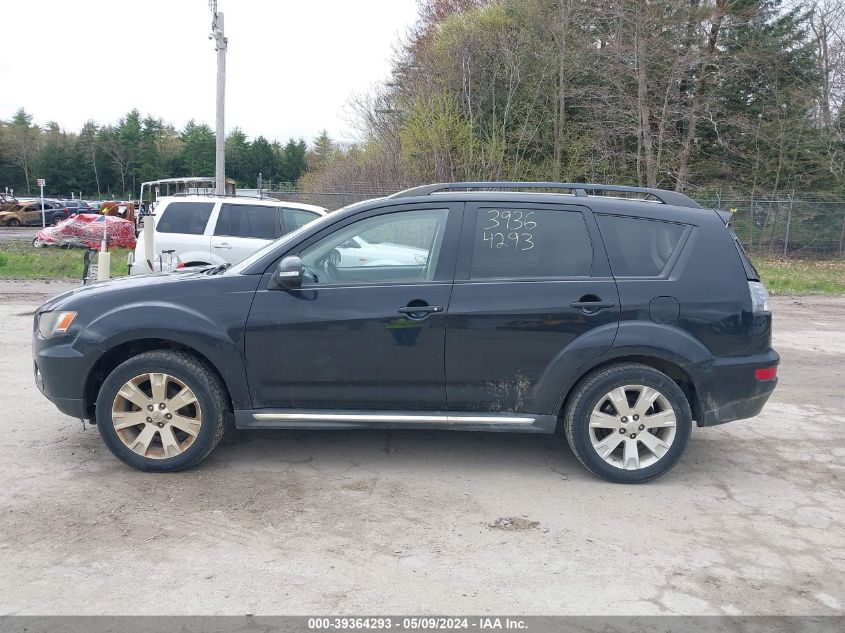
<point x="363" y="332"/>
<point x="533" y="300"/>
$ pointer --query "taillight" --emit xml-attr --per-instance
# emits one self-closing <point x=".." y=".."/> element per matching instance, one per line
<point x="767" y="373"/>
<point x="759" y="298"/>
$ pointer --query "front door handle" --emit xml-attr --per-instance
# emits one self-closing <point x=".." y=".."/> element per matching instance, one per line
<point x="222" y="245"/>
<point x="592" y="306"/>
<point x="420" y="312"/>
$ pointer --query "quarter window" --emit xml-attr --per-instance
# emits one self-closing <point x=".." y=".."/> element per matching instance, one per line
<point x="247" y="220"/>
<point x="185" y="217"/>
<point x="297" y="218"/>
<point x="530" y="243"/>
<point x="638" y="247"/>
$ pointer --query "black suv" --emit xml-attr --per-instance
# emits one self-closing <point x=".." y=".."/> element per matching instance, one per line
<point x="620" y="313"/>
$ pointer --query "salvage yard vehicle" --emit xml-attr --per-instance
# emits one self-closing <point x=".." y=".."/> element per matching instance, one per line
<point x="621" y="314"/>
<point x="85" y="230"/>
<point x="29" y="213"/>
<point x="207" y="230"/>
<point x="7" y="201"/>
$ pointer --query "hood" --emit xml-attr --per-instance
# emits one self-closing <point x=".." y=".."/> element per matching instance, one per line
<point x="119" y="284"/>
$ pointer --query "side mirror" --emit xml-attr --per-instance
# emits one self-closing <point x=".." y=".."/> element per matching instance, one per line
<point x="288" y="274"/>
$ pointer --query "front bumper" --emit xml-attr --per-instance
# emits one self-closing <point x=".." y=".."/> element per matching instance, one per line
<point x="731" y="391"/>
<point x="61" y="367"/>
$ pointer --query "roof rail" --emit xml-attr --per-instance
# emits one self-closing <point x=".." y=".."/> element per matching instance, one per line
<point x="579" y="189"/>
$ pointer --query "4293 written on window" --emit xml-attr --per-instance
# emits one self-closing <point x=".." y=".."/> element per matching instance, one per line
<point x="530" y="243"/>
<point x="509" y="229"/>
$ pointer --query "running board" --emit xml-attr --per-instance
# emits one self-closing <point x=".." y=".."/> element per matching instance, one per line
<point x="335" y="419"/>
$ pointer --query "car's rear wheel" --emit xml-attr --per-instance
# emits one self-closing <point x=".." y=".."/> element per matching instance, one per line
<point x="162" y="411"/>
<point x="628" y="423"/>
<point x="13" y="223"/>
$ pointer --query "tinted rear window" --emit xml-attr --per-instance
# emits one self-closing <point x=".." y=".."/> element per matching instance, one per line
<point x="248" y="220"/>
<point x="638" y="247"/>
<point x="297" y="218"/>
<point x="185" y="217"/>
<point x="530" y="243"/>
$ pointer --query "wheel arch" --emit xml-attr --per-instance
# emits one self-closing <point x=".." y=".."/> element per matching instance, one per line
<point x="673" y="370"/>
<point x="126" y="350"/>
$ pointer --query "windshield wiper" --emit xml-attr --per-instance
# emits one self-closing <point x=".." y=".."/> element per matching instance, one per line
<point x="217" y="269"/>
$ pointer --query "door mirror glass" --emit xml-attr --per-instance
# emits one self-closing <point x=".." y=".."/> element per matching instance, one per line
<point x="288" y="274"/>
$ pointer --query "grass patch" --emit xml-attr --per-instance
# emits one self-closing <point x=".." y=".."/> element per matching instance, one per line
<point x="802" y="276"/>
<point x="21" y="260"/>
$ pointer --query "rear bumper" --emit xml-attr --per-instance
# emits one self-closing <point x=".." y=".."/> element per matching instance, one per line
<point x="731" y="391"/>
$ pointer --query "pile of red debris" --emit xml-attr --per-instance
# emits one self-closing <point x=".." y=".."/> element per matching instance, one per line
<point x="86" y="231"/>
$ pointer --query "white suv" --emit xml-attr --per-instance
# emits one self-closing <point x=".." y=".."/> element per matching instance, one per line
<point x="204" y="230"/>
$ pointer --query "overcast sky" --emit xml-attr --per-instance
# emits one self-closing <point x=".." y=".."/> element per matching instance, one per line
<point x="292" y="65"/>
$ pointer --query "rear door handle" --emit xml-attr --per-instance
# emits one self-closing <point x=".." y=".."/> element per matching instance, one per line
<point x="420" y="312"/>
<point x="592" y="306"/>
<point x="222" y="245"/>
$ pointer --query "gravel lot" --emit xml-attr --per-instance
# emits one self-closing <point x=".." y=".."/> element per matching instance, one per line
<point x="16" y="234"/>
<point x="396" y="522"/>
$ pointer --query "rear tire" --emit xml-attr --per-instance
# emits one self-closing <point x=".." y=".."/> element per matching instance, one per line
<point x="628" y="423"/>
<point x="162" y="411"/>
<point x="13" y="223"/>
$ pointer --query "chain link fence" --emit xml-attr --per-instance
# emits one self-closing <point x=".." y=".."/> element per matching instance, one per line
<point x="797" y="227"/>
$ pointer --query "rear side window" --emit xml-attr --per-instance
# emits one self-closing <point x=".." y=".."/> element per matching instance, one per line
<point x="185" y="217"/>
<point x="247" y="220"/>
<point x="297" y="218"/>
<point x="638" y="247"/>
<point x="530" y="243"/>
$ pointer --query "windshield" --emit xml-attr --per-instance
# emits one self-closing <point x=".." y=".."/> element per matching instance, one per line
<point x="261" y="252"/>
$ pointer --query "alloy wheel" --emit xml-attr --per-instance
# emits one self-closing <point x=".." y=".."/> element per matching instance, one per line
<point x="156" y="415"/>
<point x="632" y="427"/>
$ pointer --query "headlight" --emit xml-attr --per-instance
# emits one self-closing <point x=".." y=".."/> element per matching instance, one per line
<point x="51" y="324"/>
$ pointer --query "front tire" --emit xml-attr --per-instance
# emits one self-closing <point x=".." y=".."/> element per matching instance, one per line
<point x="162" y="411"/>
<point x="628" y="423"/>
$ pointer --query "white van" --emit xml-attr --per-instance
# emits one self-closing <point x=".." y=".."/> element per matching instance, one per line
<point x="204" y="230"/>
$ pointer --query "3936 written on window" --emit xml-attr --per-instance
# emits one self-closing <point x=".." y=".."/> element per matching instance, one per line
<point x="530" y="243"/>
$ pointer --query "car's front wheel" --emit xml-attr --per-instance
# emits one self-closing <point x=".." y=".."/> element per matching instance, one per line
<point x="162" y="411"/>
<point x="628" y="423"/>
<point x="13" y="223"/>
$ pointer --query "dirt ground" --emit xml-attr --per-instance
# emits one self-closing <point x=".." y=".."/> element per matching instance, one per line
<point x="291" y="522"/>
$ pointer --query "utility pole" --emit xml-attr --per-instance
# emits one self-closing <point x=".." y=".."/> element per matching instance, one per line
<point x="220" y="44"/>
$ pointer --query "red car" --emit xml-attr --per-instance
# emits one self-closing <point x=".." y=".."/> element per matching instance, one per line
<point x="86" y="230"/>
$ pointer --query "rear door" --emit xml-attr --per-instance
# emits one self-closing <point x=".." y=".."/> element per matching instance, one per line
<point x="181" y="227"/>
<point x="242" y="229"/>
<point x="533" y="300"/>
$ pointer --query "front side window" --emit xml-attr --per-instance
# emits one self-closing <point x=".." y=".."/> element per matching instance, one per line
<point x="185" y="217"/>
<point x="247" y="220"/>
<point x="512" y="243"/>
<point x="639" y="247"/>
<point x="398" y="247"/>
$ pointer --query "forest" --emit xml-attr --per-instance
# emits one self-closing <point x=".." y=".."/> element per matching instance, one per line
<point x="732" y="96"/>
<point x="113" y="160"/>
